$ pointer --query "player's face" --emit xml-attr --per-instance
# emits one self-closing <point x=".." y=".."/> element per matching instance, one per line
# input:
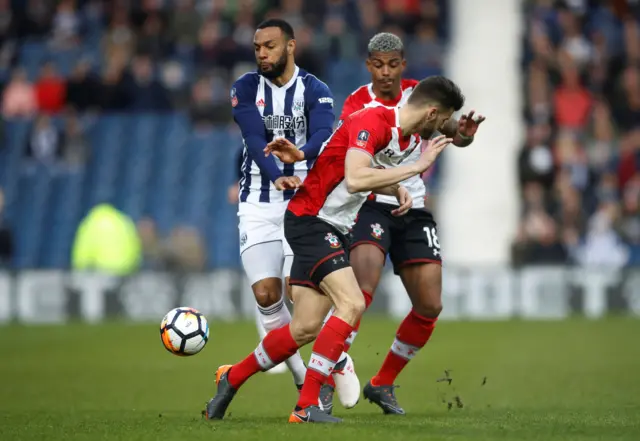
<point x="386" y="71"/>
<point x="272" y="51"/>
<point x="435" y="117"/>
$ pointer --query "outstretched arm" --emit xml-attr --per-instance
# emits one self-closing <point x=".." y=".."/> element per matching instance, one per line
<point x="248" y="118"/>
<point x="360" y="176"/>
<point x="463" y="130"/>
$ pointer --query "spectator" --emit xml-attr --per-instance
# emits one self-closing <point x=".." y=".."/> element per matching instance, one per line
<point x="111" y="91"/>
<point x="19" y="97"/>
<point x="119" y="40"/>
<point x="627" y="100"/>
<point x="82" y="88"/>
<point x="629" y="225"/>
<point x="292" y="13"/>
<point x="571" y="100"/>
<point x="182" y="251"/>
<point x="8" y="34"/>
<point x="307" y="56"/>
<point x="425" y="52"/>
<point x="50" y="90"/>
<point x="45" y="142"/>
<point x="185" y="22"/>
<point x="175" y="82"/>
<point x="144" y="91"/>
<point x="66" y="25"/>
<point x="602" y="246"/>
<point x="75" y="148"/>
<point x="204" y="110"/>
<point x="153" y="40"/>
<point x="209" y="51"/>
<point x="37" y="20"/>
<point x="535" y="161"/>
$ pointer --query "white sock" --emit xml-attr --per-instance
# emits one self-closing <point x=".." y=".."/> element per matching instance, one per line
<point x="277" y="316"/>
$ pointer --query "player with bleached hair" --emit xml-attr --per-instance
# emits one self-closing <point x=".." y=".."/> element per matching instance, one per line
<point x="410" y="240"/>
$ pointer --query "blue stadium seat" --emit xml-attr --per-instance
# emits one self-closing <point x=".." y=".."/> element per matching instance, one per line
<point x="107" y="140"/>
<point x="140" y="139"/>
<point x="222" y="229"/>
<point x="34" y="183"/>
<point x="16" y="133"/>
<point x="164" y="194"/>
<point x="64" y="214"/>
<point x="32" y="55"/>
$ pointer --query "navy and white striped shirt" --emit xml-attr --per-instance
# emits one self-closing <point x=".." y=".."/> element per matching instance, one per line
<point x="301" y="111"/>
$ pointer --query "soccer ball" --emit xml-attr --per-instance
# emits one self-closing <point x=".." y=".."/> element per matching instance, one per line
<point x="184" y="331"/>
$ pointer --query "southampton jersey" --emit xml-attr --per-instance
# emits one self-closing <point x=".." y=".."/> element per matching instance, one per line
<point x="324" y="193"/>
<point x="364" y="97"/>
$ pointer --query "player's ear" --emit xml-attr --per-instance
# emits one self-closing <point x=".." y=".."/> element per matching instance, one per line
<point x="431" y="113"/>
<point x="369" y="65"/>
<point x="291" y="47"/>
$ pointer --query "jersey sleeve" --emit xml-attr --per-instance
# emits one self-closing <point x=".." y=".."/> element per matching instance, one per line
<point x="350" y="105"/>
<point x="246" y="115"/>
<point x="321" y="117"/>
<point x="367" y="133"/>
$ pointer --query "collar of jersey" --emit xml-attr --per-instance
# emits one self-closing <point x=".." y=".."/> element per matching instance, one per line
<point x="288" y="84"/>
<point x="387" y="103"/>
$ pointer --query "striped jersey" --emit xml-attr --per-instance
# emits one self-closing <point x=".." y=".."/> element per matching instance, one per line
<point x="301" y="111"/>
<point x="364" y="97"/>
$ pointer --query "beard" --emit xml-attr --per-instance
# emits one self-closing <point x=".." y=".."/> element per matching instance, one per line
<point x="427" y="130"/>
<point x="277" y="68"/>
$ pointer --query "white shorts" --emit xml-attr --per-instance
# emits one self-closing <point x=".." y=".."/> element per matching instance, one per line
<point x="265" y="252"/>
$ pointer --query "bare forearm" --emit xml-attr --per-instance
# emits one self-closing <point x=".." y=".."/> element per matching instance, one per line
<point x="372" y="179"/>
<point x="389" y="190"/>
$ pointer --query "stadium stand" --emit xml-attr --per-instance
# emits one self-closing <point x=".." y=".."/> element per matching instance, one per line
<point x="126" y="102"/>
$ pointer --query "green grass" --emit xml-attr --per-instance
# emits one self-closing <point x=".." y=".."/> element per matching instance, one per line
<point x="573" y="380"/>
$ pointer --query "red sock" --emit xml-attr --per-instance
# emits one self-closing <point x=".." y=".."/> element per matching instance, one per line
<point x="368" y="298"/>
<point x="326" y="351"/>
<point x="276" y="347"/>
<point x="412" y="335"/>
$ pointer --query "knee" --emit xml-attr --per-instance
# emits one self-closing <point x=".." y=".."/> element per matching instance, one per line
<point x="351" y="307"/>
<point x="266" y="295"/>
<point x="304" y="332"/>
<point x="430" y="308"/>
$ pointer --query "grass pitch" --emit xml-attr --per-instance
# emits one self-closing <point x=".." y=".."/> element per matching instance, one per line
<point x="572" y="380"/>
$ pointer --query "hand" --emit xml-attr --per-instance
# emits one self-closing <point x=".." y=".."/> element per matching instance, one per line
<point x="233" y="194"/>
<point x="405" y="200"/>
<point x="287" y="183"/>
<point x="284" y="150"/>
<point x="468" y="126"/>
<point x="434" y="147"/>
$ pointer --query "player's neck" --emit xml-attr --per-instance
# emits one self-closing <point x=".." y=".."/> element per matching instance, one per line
<point x="286" y="75"/>
<point x="409" y="120"/>
<point x="388" y="96"/>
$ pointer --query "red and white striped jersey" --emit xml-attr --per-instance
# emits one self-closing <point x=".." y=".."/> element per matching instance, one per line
<point x="324" y="192"/>
<point x="364" y="97"/>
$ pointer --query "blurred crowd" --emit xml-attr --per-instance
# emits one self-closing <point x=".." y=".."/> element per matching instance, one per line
<point x="579" y="168"/>
<point x="156" y="55"/>
<point x="64" y="62"/>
